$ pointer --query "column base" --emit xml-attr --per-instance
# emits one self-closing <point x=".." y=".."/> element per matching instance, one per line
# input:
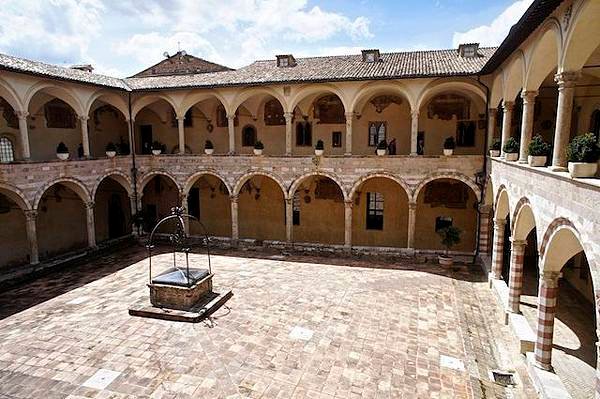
<point x="414" y="154"/>
<point x="522" y="161"/>
<point x="558" y="168"/>
<point x="347" y="154"/>
<point x="546" y="383"/>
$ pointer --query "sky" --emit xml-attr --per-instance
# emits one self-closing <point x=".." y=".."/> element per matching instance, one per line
<point x="122" y="37"/>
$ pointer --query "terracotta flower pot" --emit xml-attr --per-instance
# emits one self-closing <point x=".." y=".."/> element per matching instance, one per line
<point x="446" y="260"/>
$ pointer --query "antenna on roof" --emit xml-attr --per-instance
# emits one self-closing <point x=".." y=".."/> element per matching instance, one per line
<point x="178" y="46"/>
<point x="166" y="54"/>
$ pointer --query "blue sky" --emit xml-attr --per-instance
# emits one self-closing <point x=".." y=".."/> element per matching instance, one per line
<point x="121" y="37"/>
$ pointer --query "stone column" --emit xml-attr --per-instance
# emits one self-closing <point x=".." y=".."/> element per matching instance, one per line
<point x="289" y="219"/>
<point x="85" y="138"/>
<point x="484" y="229"/>
<point x="348" y="225"/>
<point x="527" y="123"/>
<point x="566" y="90"/>
<point x="30" y="218"/>
<point x="349" y="117"/>
<point x="414" y="132"/>
<point x="498" y="250"/>
<point x="515" y="285"/>
<point x="288" y="132"/>
<point x="235" y="234"/>
<point x="508" y="107"/>
<point x="24" y="133"/>
<point x="412" y="221"/>
<point x="547" y="294"/>
<point x="132" y="204"/>
<point x="231" y="130"/>
<point x="91" y="228"/>
<point x="492" y="112"/>
<point x="181" y="130"/>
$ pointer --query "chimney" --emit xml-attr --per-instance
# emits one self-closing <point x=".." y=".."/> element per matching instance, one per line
<point x="83" y="67"/>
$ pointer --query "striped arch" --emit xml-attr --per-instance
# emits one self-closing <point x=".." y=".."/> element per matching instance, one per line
<point x="523" y="219"/>
<point x="16" y="195"/>
<point x="117" y="176"/>
<point x="145" y="179"/>
<point x="384" y="175"/>
<point x="556" y="225"/>
<point x="189" y="183"/>
<point x="447" y="175"/>
<point x="242" y="180"/>
<point x="502" y="203"/>
<point x="74" y="184"/>
<point x="296" y="183"/>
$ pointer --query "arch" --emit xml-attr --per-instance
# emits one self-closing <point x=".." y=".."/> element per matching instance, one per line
<point x="144" y="101"/>
<point x="296" y="183"/>
<point x="149" y="175"/>
<point x="497" y="92"/>
<point x="10" y="95"/>
<point x="109" y="98"/>
<point x="560" y="243"/>
<point x="74" y="184"/>
<point x="439" y="86"/>
<point x="523" y="220"/>
<point x="547" y="47"/>
<point x="582" y="37"/>
<point x="313" y="90"/>
<point x="15" y="195"/>
<point x="514" y="75"/>
<point x="383" y="174"/>
<point x="371" y="89"/>
<point x="189" y="183"/>
<point x="63" y="93"/>
<point x="117" y="176"/>
<point x="194" y="98"/>
<point x="502" y="203"/>
<point x="246" y="94"/>
<point x="242" y="180"/>
<point x="447" y="175"/>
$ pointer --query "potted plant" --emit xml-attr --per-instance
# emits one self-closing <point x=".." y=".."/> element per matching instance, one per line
<point x="62" y="151"/>
<point x="583" y="153"/>
<point x="538" y="151"/>
<point x="449" y="146"/>
<point x="381" y="148"/>
<point x="157" y="147"/>
<point x="450" y="236"/>
<point x="208" y="147"/>
<point x="258" y="147"/>
<point x="111" y="150"/>
<point x="319" y="148"/>
<point x="495" y="148"/>
<point x="511" y="149"/>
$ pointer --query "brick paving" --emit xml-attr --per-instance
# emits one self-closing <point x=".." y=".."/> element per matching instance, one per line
<point x="297" y="327"/>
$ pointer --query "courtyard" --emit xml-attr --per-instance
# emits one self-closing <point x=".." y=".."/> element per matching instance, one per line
<point x="297" y="327"/>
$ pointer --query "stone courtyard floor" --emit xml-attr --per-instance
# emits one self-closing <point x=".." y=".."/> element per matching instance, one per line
<point x="297" y="327"/>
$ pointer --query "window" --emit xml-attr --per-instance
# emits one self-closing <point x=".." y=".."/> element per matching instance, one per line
<point x="376" y="133"/>
<point x="296" y="209"/>
<point x="374" y="211"/>
<point x="336" y="139"/>
<point x="370" y="55"/>
<point x="465" y="133"/>
<point x="303" y="134"/>
<point x="274" y="113"/>
<point x="441" y="222"/>
<point x="248" y="136"/>
<point x="7" y="153"/>
<point x="59" y="115"/>
<point x="287" y="60"/>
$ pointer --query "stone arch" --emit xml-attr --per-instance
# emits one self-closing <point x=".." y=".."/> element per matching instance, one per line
<point x="514" y="75"/>
<point x="189" y="183"/>
<point x="568" y="232"/>
<point x="371" y="89"/>
<point x="243" y="179"/>
<point x="547" y="46"/>
<point x="74" y="184"/>
<point x="10" y="95"/>
<point x="523" y="219"/>
<point x="63" y="93"/>
<point x="497" y="92"/>
<point x="109" y="98"/>
<point x="296" y="183"/>
<point x="502" y="203"/>
<point x="119" y="177"/>
<point x="447" y="175"/>
<point x="146" y="100"/>
<point x="15" y="195"/>
<point x="315" y="90"/>
<point x="149" y="175"/>
<point x="582" y="37"/>
<point x="246" y="94"/>
<point x="382" y="174"/>
<point x="439" y="86"/>
<point x="194" y="98"/>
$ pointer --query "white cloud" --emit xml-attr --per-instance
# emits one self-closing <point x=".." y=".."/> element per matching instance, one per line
<point x="494" y="33"/>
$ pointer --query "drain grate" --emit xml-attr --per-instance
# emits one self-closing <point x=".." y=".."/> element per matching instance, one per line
<point x="505" y="378"/>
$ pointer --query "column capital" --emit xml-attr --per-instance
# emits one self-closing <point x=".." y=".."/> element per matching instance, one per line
<point x="230" y="117"/>
<point x="508" y="105"/>
<point x="31" y="215"/>
<point x="567" y="79"/>
<point x="492" y="110"/>
<point x="499" y="222"/>
<point x="517" y="243"/>
<point x="22" y="114"/>
<point x="529" y="96"/>
<point x="288" y="201"/>
<point x="180" y="118"/>
<point x="412" y="206"/>
<point x="550" y="278"/>
<point x="414" y="113"/>
<point x="83" y="118"/>
<point x="288" y="116"/>
<point x="348" y="203"/>
<point x="89" y="205"/>
<point x="485" y="209"/>
<point x="234" y="198"/>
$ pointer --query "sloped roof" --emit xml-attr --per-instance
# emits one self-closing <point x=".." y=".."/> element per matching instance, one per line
<point x="181" y="64"/>
<point x="414" y="64"/>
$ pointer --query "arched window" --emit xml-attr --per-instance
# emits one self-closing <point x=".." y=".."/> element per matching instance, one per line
<point x="248" y="136"/>
<point x="274" y="113"/>
<point x="595" y="124"/>
<point x="376" y="133"/>
<point x="59" y="115"/>
<point x="329" y="109"/>
<point x="303" y="134"/>
<point x="7" y="150"/>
